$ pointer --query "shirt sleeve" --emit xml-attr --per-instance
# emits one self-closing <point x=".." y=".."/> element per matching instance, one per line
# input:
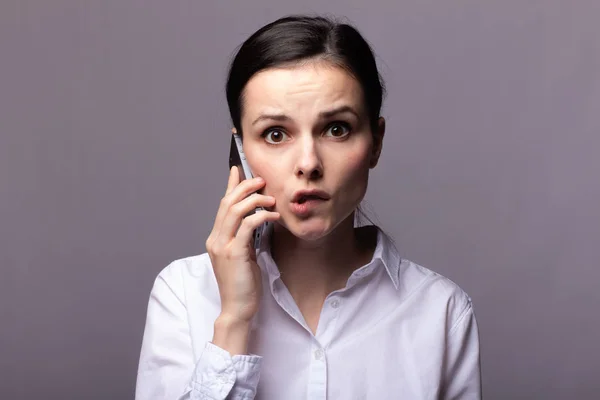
<point x="166" y="367"/>
<point x="462" y="372"/>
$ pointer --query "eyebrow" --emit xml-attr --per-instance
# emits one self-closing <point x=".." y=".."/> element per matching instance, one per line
<point x="322" y="115"/>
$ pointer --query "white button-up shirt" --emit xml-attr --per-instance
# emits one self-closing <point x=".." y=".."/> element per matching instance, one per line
<point x="396" y="331"/>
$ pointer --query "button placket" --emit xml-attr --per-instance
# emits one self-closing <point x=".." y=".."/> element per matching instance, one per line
<point x="319" y="353"/>
<point x="317" y="376"/>
<point x="328" y="320"/>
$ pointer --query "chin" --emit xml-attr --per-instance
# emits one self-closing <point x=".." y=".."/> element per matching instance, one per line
<point x="309" y="229"/>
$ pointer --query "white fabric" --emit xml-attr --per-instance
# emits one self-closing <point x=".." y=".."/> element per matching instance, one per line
<point x="396" y="331"/>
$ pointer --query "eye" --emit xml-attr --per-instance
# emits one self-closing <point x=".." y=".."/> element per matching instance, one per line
<point x="338" y="130"/>
<point x="274" y="135"/>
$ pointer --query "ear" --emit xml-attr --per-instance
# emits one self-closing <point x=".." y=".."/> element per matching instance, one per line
<point x="377" y="142"/>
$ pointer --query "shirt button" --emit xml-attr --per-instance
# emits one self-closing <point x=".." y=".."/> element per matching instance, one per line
<point x="335" y="303"/>
<point x="319" y="354"/>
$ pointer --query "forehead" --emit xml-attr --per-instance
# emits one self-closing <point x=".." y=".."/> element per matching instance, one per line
<point x="303" y="88"/>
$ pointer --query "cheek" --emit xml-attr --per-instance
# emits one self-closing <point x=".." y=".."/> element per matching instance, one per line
<point x="270" y="172"/>
<point x="353" y="174"/>
<point x="354" y="167"/>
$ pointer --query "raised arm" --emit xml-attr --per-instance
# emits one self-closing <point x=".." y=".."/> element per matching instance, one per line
<point x="167" y="369"/>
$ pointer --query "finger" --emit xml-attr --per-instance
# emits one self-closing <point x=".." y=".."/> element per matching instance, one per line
<point x="250" y="223"/>
<point x="241" y="191"/>
<point x="232" y="182"/>
<point x="234" y="179"/>
<point x="232" y="221"/>
<point x="245" y="188"/>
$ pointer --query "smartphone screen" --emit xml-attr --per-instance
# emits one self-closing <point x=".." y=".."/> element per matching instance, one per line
<point x="238" y="158"/>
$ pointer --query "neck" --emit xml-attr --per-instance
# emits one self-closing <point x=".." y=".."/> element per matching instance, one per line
<point x="313" y="269"/>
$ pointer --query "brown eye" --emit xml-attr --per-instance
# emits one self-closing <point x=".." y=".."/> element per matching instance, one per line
<point x="274" y="136"/>
<point x="338" y="130"/>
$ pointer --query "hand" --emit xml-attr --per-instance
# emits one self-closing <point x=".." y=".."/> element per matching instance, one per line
<point x="231" y="250"/>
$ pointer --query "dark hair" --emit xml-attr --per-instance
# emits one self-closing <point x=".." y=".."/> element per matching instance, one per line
<point x="294" y="39"/>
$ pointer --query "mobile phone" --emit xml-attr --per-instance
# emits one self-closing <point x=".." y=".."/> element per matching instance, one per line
<point x="238" y="158"/>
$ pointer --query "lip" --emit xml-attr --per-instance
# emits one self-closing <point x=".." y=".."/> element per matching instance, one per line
<point x="311" y="199"/>
<point x="305" y="208"/>
<point x="320" y="194"/>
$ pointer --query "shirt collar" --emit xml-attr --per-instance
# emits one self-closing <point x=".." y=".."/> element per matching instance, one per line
<point x="385" y="253"/>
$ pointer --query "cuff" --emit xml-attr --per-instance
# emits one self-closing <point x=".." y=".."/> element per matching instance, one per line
<point x="218" y="373"/>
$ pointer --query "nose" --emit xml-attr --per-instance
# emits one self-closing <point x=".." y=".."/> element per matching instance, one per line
<point x="308" y="164"/>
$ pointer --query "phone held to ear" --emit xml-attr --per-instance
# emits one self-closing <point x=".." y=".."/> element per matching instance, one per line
<point x="238" y="158"/>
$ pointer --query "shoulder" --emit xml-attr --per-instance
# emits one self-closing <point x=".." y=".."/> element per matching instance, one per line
<point x="435" y="292"/>
<point x="182" y="273"/>
<point x="422" y="287"/>
<point x="196" y="266"/>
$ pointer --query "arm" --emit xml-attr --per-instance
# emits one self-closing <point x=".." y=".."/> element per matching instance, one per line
<point x="166" y="367"/>
<point x="462" y="369"/>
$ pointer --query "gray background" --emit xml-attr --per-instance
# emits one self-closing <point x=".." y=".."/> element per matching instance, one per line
<point x="113" y="142"/>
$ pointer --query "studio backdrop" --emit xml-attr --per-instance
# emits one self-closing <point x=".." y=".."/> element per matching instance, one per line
<point x="114" y="136"/>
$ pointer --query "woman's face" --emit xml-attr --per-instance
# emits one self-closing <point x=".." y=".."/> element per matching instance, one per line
<point x="306" y="128"/>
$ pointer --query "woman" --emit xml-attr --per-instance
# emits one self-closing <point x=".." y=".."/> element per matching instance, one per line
<point x="323" y="309"/>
